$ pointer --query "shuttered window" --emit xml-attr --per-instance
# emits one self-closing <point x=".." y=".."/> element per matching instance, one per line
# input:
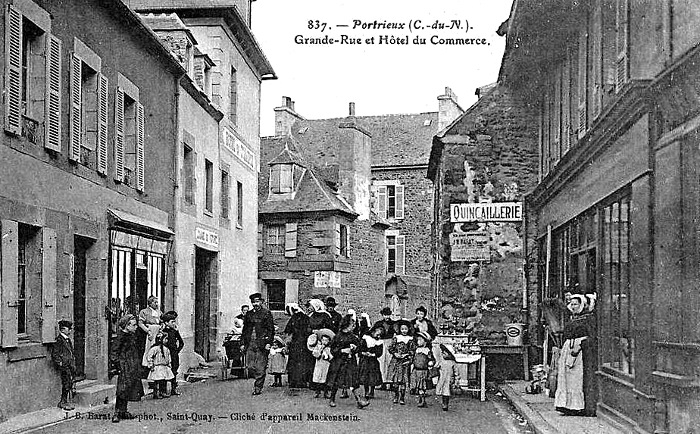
<point x="119" y="135"/>
<point x="129" y="138"/>
<point x="53" y="94"/>
<point x="225" y="194"/>
<point x="239" y="199"/>
<point x="233" y="97"/>
<point x="388" y="200"/>
<point x="582" y="83"/>
<point x="290" y="240"/>
<point x="102" y="125"/>
<point x="396" y="254"/>
<point x="622" y="29"/>
<point x="14" y="73"/>
<point x="275" y="239"/>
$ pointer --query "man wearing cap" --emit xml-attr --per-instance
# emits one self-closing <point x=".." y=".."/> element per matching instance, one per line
<point x="258" y="333"/>
<point x="335" y="316"/>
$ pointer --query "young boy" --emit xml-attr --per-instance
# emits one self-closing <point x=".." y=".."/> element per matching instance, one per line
<point x="62" y="356"/>
<point x="174" y="343"/>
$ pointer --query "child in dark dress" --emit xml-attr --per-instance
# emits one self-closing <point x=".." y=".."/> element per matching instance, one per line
<point x="174" y="343"/>
<point x="401" y="349"/>
<point x="126" y="356"/>
<point x="371" y="348"/>
<point x="343" y="368"/>
<point x="423" y="360"/>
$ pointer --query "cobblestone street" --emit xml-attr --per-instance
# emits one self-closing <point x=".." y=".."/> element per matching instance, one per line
<point x="217" y="406"/>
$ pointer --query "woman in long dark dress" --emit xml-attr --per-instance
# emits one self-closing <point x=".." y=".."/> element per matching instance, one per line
<point x="300" y="362"/>
<point x="576" y="382"/>
<point x="319" y="317"/>
<point x="343" y="370"/>
<point x="126" y="358"/>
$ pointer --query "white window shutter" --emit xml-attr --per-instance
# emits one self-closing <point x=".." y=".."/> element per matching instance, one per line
<point x="399" y="189"/>
<point x="102" y="116"/>
<point x="76" y="107"/>
<point x="48" y="285"/>
<point x="290" y="240"/>
<point x="291" y="291"/>
<point x="382" y="200"/>
<point x="374" y="199"/>
<point x="400" y="254"/>
<point x="347" y="241"/>
<point x="13" y="71"/>
<point x="582" y="83"/>
<point x="119" y="136"/>
<point x="140" y="127"/>
<point x="52" y="119"/>
<point x="199" y="73"/>
<point x="622" y="28"/>
<point x="336" y="240"/>
<point x="260" y="240"/>
<point x="275" y="178"/>
<point x="10" y="290"/>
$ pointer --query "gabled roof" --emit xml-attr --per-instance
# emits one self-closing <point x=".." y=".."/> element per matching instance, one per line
<point x="312" y="193"/>
<point x="397" y="140"/>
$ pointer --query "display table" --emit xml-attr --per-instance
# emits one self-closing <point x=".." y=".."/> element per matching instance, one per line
<point x="466" y="353"/>
<point x="510" y="349"/>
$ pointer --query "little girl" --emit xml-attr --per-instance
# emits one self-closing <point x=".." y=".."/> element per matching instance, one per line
<point x="343" y="369"/>
<point x="449" y="376"/>
<point x="371" y="348"/>
<point x="323" y="356"/>
<point x="158" y="359"/>
<point x="423" y="360"/>
<point x="402" y="349"/>
<point x="278" y="361"/>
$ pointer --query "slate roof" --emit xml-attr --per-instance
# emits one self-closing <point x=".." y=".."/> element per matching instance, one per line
<point x="397" y="140"/>
<point x="313" y="194"/>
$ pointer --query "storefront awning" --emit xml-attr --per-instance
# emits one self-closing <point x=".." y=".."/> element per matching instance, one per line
<point x="123" y="220"/>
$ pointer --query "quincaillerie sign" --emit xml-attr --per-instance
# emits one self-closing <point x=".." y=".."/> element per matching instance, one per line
<point x="486" y="212"/>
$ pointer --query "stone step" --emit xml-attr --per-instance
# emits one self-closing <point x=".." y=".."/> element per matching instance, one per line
<point x="84" y="383"/>
<point x="95" y="394"/>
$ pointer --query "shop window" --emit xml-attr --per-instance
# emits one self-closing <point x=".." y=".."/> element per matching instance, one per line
<point x="276" y="294"/>
<point x="208" y="186"/>
<point x="396" y="247"/>
<point x="275" y="239"/>
<point x="617" y="314"/>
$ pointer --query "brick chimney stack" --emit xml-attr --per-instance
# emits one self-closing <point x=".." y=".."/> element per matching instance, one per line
<point x="352" y="109"/>
<point x="285" y="116"/>
<point x="448" y="109"/>
<point x="355" y="163"/>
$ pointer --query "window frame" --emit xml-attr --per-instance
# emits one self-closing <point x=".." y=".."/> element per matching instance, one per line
<point x="276" y="233"/>
<point x="208" y="187"/>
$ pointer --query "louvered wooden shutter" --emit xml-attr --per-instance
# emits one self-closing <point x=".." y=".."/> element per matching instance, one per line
<point x="566" y="105"/>
<point x="400" y="254"/>
<point x="290" y="240"/>
<point x="597" y="60"/>
<point x="10" y="292"/>
<point x="582" y="84"/>
<point x="53" y="94"/>
<point x="260" y="240"/>
<point x="399" y="189"/>
<point x="102" y="97"/>
<point x="13" y="71"/>
<point x="291" y="291"/>
<point x="622" y="27"/>
<point x="76" y="107"/>
<point x="336" y="240"/>
<point x="48" y="285"/>
<point x="119" y="136"/>
<point x="275" y="178"/>
<point x="381" y="201"/>
<point x="140" y="127"/>
<point x="199" y="73"/>
<point x="347" y="241"/>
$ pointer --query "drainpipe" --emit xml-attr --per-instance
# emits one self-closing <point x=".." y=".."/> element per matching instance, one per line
<point x="176" y="185"/>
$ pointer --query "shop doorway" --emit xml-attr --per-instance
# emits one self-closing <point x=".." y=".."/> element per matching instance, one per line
<point x="81" y="246"/>
<point x="203" y="283"/>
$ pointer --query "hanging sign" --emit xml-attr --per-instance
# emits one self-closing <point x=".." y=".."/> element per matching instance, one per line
<point x="469" y="246"/>
<point x="486" y="212"/>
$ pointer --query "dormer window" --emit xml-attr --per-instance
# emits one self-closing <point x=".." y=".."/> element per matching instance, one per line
<point x="281" y="178"/>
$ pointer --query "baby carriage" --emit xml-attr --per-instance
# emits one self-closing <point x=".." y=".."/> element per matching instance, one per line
<point x="236" y="358"/>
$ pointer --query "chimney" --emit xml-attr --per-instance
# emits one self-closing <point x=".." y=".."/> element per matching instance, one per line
<point x="448" y="109"/>
<point x="285" y="117"/>
<point x="355" y="162"/>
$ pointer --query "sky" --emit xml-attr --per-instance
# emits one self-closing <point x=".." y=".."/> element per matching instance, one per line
<point x="379" y="78"/>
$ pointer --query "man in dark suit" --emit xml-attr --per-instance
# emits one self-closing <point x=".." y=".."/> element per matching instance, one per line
<point x="258" y="333"/>
<point x="63" y="358"/>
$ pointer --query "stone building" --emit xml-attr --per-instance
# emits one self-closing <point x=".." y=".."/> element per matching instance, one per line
<point x="616" y="207"/>
<point x="86" y="200"/>
<point x="217" y="162"/>
<point x="487" y="156"/>
<point x="390" y="188"/>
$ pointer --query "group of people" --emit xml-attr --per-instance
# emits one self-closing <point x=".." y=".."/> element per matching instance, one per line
<point x="147" y="346"/>
<point x="329" y="352"/>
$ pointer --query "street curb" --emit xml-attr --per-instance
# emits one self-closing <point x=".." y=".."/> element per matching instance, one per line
<point x="538" y="423"/>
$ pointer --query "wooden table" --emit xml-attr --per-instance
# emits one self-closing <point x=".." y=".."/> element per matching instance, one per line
<point x="510" y="349"/>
